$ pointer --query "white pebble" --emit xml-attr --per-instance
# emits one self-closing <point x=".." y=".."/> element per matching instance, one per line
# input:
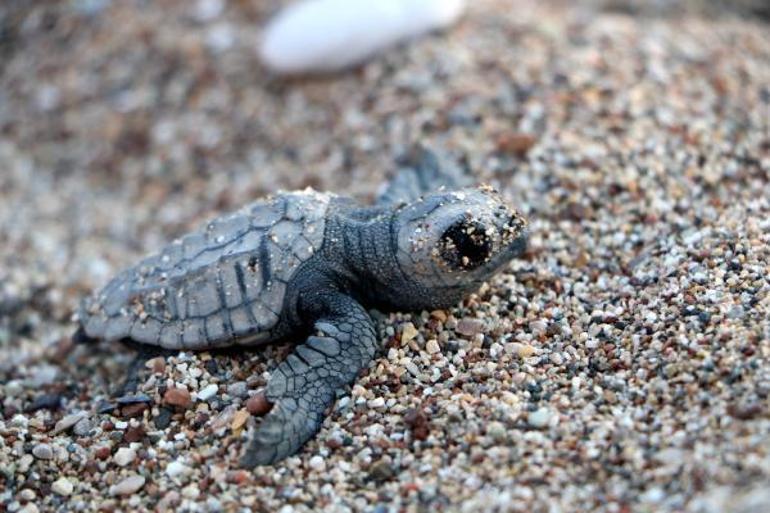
<point x="539" y="418"/>
<point x="176" y="468"/>
<point x="127" y="486"/>
<point x="330" y="35"/>
<point x="208" y="392"/>
<point x="432" y="347"/>
<point x="124" y="456"/>
<point x="62" y="486"/>
<point x="317" y="463"/>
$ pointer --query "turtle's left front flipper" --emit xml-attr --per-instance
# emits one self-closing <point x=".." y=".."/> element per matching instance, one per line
<point x="305" y="384"/>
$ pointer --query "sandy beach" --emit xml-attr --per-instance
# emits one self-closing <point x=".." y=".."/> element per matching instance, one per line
<point x="621" y="365"/>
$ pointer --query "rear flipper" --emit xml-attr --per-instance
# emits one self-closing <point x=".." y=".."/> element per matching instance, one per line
<point x="306" y="383"/>
<point x="144" y="353"/>
<point x="422" y="171"/>
<point x="80" y="337"/>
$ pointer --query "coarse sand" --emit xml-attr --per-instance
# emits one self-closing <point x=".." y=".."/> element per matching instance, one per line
<point x="621" y="365"/>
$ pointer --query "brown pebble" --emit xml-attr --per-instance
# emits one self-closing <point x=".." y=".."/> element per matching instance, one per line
<point x="134" y="434"/>
<point x="177" y="397"/>
<point x="133" y="410"/>
<point x="237" y="477"/>
<point x="333" y="443"/>
<point x="258" y="404"/>
<point x="439" y="315"/>
<point x="102" y="453"/>
<point x="158" y="364"/>
<point x="418" y="423"/>
<point x="469" y="327"/>
<point x="515" y="143"/>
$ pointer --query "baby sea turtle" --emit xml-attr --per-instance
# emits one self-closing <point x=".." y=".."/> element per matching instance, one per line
<point x="310" y="264"/>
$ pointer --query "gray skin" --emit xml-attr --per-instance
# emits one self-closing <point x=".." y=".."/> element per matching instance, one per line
<point x="311" y="263"/>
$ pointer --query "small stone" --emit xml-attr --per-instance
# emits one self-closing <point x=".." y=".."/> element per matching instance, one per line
<point x="525" y="351"/>
<point x="469" y="327"/>
<point x="42" y="452"/>
<point x="408" y="332"/>
<point x="432" y="346"/>
<point x="515" y="143"/>
<point x="239" y="419"/>
<point x="133" y="410"/>
<point x="381" y="471"/>
<point x="176" y="468"/>
<point x="208" y="392"/>
<point x="439" y="315"/>
<point x="317" y="463"/>
<point x="102" y="453"/>
<point x="418" y="423"/>
<point x="124" y="456"/>
<point x="377" y="402"/>
<point x="163" y="419"/>
<point x="237" y="389"/>
<point x="177" y="397"/>
<point x="128" y="485"/>
<point x="258" y="404"/>
<point x="157" y="364"/>
<point x="83" y="427"/>
<point x="496" y="430"/>
<point x="67" y="422"/>
<point x="62" y="486"/>
<point x="134" y="434"/>
<point x="539" y="419"/>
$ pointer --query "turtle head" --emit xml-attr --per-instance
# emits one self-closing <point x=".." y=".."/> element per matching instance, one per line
<point x="450" y="242"/>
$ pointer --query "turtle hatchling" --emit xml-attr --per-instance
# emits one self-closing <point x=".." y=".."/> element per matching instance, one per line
<point x="308" y="265"/>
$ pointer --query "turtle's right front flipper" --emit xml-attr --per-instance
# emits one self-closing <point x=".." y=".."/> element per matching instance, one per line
<point x="306" y="383"/>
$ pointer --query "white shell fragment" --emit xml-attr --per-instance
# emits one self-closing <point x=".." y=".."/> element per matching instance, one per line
<point x="330" y="35"/>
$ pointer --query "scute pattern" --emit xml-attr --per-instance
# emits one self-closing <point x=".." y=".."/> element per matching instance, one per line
<point x="223" y="285"/>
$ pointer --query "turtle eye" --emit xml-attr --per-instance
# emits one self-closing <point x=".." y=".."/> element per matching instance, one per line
<point x="465" y="245"/>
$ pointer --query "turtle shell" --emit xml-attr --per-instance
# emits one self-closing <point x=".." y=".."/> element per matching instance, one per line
<point x="222" y="285"/>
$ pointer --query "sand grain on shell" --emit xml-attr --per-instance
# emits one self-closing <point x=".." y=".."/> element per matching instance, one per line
<point x="622" y="365"/>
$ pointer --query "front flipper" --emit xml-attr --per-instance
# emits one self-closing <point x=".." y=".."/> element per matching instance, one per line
<point x="423" y="171"/>
<point x="305" y="384"/>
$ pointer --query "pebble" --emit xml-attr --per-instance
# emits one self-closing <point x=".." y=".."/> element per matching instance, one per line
<point x="67" y="422"/>
<point x="177" y="397"/>
<point x="469" y="327"/>
<point x="163" y="419"/>
<point x="176" y="468"/>
<point x="83" y="427"/>
<point x="408" y="332"/>
<point x="238" y="389"/>
<point x="432" y="347"/>
<point x="208" y="392"/>
<point x="124" y="456"/>
<point x="42" y="452"/>
<point x="331" y="35"/>
<point x="317" y="463"/>
<point x="539" y="418"/>
<point x="258" y="404"/>
<point x="239" y="419"/>
<point x="62" y="486"/>
<point x="525" y="351"/>
<point x="128" y="486"/>
<point x="377" y="402"/>
<point x="496" y="430"/>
